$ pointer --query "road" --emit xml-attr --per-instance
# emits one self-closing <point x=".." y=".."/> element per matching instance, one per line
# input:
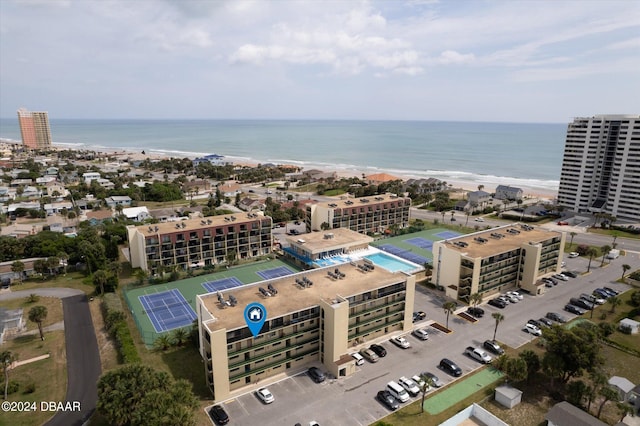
<point x="83" y="357"/>
<point x="352" y="401"/>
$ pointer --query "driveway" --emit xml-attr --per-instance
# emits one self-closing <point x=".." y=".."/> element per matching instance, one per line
<point x="83" y="358"/>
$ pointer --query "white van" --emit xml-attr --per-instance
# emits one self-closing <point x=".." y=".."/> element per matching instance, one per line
<point x="397" y="391"/>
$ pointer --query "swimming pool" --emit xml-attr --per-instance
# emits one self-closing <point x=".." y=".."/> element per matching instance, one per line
<point x="391" y="264"/>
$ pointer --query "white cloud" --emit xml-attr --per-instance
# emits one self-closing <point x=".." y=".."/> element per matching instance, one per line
<point x="452" y="57"/>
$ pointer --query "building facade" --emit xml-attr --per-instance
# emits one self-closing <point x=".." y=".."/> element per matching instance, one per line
<point x="601" y="165"/>
<point x="312" y="319"/>
<point x="199" y="242"/>
<point x="489" y="261"/>
<point x="375" y="214"/>
<point x="34" y="128"/>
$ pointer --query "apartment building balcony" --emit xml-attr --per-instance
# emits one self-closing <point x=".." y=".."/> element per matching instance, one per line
<point x="278" y="363"/>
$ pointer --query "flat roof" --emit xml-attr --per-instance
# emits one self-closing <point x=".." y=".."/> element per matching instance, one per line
<point x="340" y="202"/>
<point x="292" y="298"/>
<point x="493" y="245"/>
<point x="199" y="223"/>
<point x="318" y="242"/>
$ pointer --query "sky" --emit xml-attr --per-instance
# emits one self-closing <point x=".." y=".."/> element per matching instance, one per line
<point x="454" y="60"/>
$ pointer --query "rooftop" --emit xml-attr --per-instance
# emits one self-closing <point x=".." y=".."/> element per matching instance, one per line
<point x="291" y="297"/>
<point x="361" y="201"/>
<point x="198" y="223"/>
<point x="499" y="240"/>
<point x="318" y="242"/>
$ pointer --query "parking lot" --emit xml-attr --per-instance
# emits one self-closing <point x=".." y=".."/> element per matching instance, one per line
<point x="351" y="400"/>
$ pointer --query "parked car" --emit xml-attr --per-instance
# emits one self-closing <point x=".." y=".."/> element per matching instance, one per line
<point x="610" y="290"/>
<point x="450" y="367"/>
<point x="493" y="346"/>
<point x="556" y="317"/>
<point x="369" y="355"/>
<point x="592" y="299"/>
<point x="534" y="322"/>
<point x="511" y="298"/>
<point x="479" y="219"/>
<point x="571" y="274"/>
<point x="419" y="316"/>
<point x="561" y="277"/>
<point x="581" y="303"/>
<point x="550" y="280"/>
<point x="610" y="293"/>
<point x="497" y="303"/>
<point x="218" y="415"/>
<point x="602" y="293"/>
<point x="436" y="381"/>
<point x="516" y="294"/>
<point x="478" y="354"/>
<point x="574" y="309"/>
<point x="385" y="397"/>
<point x="379" y="350"/>
<point x="409" y="385"/>
<point x="573" y="255"/>
<point x="359" y="359"/>
<point x="265" y="395"/>
<point x="532" y="329"/>
<point x="545" y="322"/>
<point x="316" y="374"/>
<point x="505" y="299"/>
<point x="401" y="342"/>
<point x="421" y="333"/>
<point x="476" y="312"/>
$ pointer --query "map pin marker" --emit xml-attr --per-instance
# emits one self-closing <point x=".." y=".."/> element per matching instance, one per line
<point x="255" y="315"/>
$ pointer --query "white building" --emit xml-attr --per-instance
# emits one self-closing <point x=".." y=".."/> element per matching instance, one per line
<point x="136" y="213"/>
<point x="600" y="166"/>
<point x="89" y="176"/>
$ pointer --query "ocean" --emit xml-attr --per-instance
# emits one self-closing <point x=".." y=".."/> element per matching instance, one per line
<point x="519" y="154"/>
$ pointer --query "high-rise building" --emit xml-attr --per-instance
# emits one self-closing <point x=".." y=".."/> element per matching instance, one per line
<point x="34" y="127"/>
<point x="601" y="165"/>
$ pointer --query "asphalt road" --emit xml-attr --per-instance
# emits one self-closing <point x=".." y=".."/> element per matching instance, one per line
<point x="352" y="400"/>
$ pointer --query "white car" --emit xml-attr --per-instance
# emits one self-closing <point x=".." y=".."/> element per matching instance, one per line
<point x="511" y="298"/>
<point x="562" y="277"/>
<point x="418" y="381"/>
<point x="421" y="333"/>
<point x="516" y="294"/>
<point x="401" y="342"/>
<point x="573" y="255"/>
<point x="359" y="358"/>
<point x="265" y="395"/>
<point x="532" y="329"/>
<point x="409" y="385"/>
<point x="479" y="219"/>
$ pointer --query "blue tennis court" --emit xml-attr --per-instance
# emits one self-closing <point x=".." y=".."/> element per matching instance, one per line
<point x="447" y="234"/>
<point x="415" y="258"/>
<point x="390" y="248"/>
<point x="167" y="310"/>
<point x="280" y="271"/>
<point x="423" y="243"/>
<point x="222" y="284"/>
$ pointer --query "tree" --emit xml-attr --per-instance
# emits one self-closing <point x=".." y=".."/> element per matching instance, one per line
<point x="138" y="394"/>
<point x="623" y="409"/>
<point x="180" y="336"/>
<point x="608" y="394"/>
<point x="475" y="299"/>
<point x="163" y="342"/>
<point x="39" y="266"/>
<point x="625" y="268"/>
<point x="53" y="263"/>
<point x="598" y="379"/>
<point x="577" y="391"/>
<point x="449" y="307"/>
<point x="570" y="352"/>
<point x="573" y="234"/>
<point x="38" y="314"/>
<point x="17" y="267"/>
<point x="604" y="250"/>
<point x="140" y="275"/>
<point x="427" y="383"/>
<point x="7" y="358"/>
<point x="590" y="251"/>
<point x="516" y="369"/>
<point x="614" y="301"/>
<point x="100" y="278"/>
<point x="64" y="259"/>
<point x="499" y="318"/>
<point x="532" y="360"/>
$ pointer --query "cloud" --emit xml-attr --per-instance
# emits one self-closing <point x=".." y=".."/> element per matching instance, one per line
<point x="452" y="57"/>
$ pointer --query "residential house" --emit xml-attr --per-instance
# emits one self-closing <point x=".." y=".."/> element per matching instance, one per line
<point x="230" y="188"/>
<point x="478" y="199"/>
<point x="105" y="183"/>
<point x="43" y="180"/>
<point x="632" y="325"/>
<point x="90" y="176"/>
<point x="247" y="204"/>
<point x="55" y="187"/>
<point x="54" y="208"/>
<point x="511" y="193"/>
<point x="378" y="178"/>
<point x="136" y="213"/>
<point x="96" y="217"/>
<point x="118" y="200"/>
<point x="318" y="175"/>
<point x="31" y="192"/>
<point x="11" y="322"/>
<point x="198" y="186"/>
<point x="565" y="414"/>
<point x="214" y="159"/>
<point x="20" y="182"/>
<point x="623" y="386"/>
<point x="52" y="171"/>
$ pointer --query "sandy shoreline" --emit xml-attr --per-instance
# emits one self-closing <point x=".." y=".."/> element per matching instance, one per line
<point x="529" y="191"/>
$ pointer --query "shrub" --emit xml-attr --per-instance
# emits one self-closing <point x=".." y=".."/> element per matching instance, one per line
<point x="33" y="298"/>
<point x="625" y="329"/>
<point x="116" y="324"/>
<point x="13" y="386"/>
<point x="30" y="388"/>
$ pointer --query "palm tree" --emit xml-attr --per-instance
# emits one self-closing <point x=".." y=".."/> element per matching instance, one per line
<point x="64" y="259"/>
<point x="38" y="314"/>
<point x="449" y="307"/>
<point x="573" y="234"/>
<point x="180" y="336"/>
<point x="625" y="268"/>
<point x="163" y="342"/>
<point x="17" y="267"/>
<point x="427" y="383"/>
<point x="499" y="318"/>
<point x="608" y="394"/>
<point x="475" y="299"/>
<point x="100" y="278"/>
<point x="590" y="251"/>
<point x="6" y="359"/>
<point x="614" y="301"/>
<point x="604" y="250"/>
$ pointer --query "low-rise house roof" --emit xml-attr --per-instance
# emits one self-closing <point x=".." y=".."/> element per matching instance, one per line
<point x="565" y="414"/>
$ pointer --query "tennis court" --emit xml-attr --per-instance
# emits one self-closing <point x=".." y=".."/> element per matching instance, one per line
<point x="269" y="274"/>
<point x="423" y="243"/>
<point x="167" y="310"/>
<point x="448" y="234"/>
<point x="390" y="248"/>
<point x="222" y="284"/>
<point x="404" y="253"/>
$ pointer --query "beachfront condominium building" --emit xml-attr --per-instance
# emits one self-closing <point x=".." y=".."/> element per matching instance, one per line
<point x="312" y="318"/>
<point x="487" y="262"/>
<point x="34" y="128"/>
<point x="367" y="215"/>
<point x="199" y="242"/>
<point x="601" y="165"/>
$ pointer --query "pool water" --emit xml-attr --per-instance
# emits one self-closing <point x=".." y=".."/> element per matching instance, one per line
<point x="391" y="264"/>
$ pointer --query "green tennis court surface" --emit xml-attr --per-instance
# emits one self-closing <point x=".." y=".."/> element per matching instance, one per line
<point x="461" y="389"/>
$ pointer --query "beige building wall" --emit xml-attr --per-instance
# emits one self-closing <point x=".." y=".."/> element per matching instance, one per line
<point x="410" y="296"/>
<point x="335" y="333"/>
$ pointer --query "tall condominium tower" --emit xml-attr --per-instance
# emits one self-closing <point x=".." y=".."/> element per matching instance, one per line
<point x="34" y="127"/>
<point x="601" y="166"/>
